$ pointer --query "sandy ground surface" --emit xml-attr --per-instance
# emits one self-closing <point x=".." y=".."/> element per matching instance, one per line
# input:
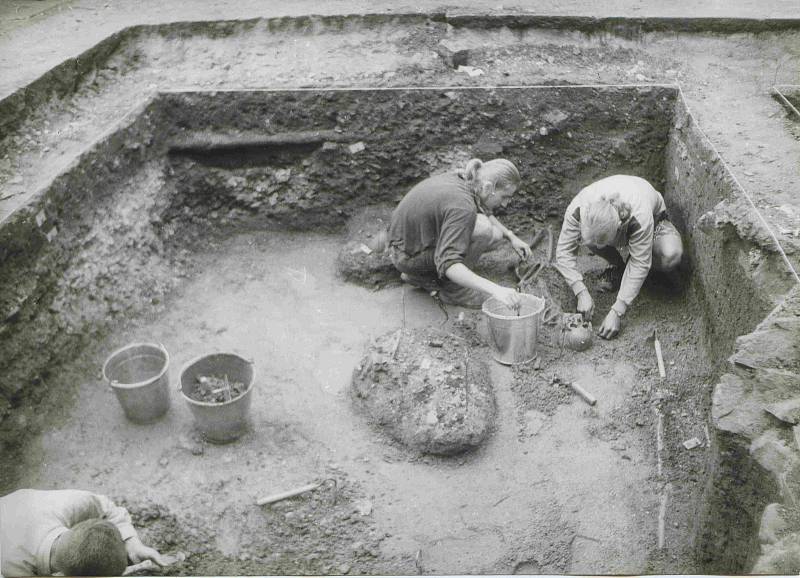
<point x="568" y="489"/>
<point x="41" y="33"/>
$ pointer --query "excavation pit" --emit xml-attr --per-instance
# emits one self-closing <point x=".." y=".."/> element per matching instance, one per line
<point x="212" y="221"/>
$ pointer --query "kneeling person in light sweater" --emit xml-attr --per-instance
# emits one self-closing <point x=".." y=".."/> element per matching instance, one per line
<point x="70" y="532"/>
<point x="615" y="212"/>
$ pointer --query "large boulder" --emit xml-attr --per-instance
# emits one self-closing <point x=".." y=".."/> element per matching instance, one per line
<point x="426" y="390"/>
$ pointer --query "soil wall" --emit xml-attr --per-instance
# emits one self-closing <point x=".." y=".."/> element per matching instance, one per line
<point x="737" y="276"/>
<point x="374" y="145"/>
<point x="81" y="253"/>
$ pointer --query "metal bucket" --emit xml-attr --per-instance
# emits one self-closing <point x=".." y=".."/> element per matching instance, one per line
<point x="514" y="336"/>
<point x="219" y="422"/>
<point x="137" y="373"/>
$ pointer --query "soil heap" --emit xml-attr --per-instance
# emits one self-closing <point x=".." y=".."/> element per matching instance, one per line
<point x="425" y="389"/>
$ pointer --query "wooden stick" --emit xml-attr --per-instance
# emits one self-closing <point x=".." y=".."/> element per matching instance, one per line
<point x="551" y="242"/>
<point x="659" y="438"/>
<point x="228" y="392"/>
<point x="288" y="494"/>
<point x="662" y="515"/>
<point x="660" y="359"/>
<point x="588" y="397"/>
<point x="206" y="141"/>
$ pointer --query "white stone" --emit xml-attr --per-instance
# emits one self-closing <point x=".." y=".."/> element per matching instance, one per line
<point x="772" y="524"/>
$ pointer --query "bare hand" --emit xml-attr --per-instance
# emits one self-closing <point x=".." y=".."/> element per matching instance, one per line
<point x="138" y="552"/>
<point x="521" y="248"/>
<point x="585" y="305"/>
<point x="610" y="326"/>
<point x="508" y="297"/>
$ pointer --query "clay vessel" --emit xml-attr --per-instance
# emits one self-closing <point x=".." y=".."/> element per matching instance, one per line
<point x="578" y="334"/>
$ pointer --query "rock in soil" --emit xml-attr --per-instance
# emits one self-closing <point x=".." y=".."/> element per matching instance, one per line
<point x="425" y="389"/>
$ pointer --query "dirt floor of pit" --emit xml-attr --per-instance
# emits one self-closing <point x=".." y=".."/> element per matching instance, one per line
<point x="574" y="490"/>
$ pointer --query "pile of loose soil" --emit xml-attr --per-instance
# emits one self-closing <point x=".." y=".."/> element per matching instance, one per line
<point x="427" y="390"/>
<point x="327" y="531"/>
<point x="364" y="258"/>
<point x="215" y="389"/>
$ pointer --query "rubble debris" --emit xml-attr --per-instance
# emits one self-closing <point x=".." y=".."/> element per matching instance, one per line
<point x="216" y="389"/>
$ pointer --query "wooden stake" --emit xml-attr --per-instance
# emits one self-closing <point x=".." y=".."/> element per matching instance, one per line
<point x="662" y="515"/>
<point x="659" y="438"/>
<point x="289" y="494"/>
<point x="397" y="343"/>
<point x="660" y="359"/>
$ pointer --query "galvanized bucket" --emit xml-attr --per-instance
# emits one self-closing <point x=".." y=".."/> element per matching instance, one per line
<point x="219" y="422"/>
<point x="514" y="335"/>
<point x="137" y="373"/>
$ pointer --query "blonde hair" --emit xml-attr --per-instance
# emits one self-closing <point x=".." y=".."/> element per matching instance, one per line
<point x="602" y="219"/>
<point x="493" y="171"/>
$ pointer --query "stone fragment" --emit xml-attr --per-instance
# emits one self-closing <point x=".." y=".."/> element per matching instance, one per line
<point x="734" y="409"/>
<point x="692" y="443"/>
<point x="356" y="147"/>
<point x="775" y="344"/>
<point x="772" y="453"/>
<point x="772" y="524"/>
<point x="555" y="117"/>
<point x="781" y="558"/>
<point x="470" y="70"/>
<point x="787" y="411"/>
<point x="364" y="507"/>
<point x="452" y="57"/>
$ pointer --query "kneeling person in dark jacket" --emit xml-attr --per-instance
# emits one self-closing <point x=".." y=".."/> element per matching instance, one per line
<point x="445" y="223"/>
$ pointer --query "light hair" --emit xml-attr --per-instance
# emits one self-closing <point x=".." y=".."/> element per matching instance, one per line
<point x="602" y="219"/>
<point x="494" y="171"/>
<point x="93" y="547"/>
